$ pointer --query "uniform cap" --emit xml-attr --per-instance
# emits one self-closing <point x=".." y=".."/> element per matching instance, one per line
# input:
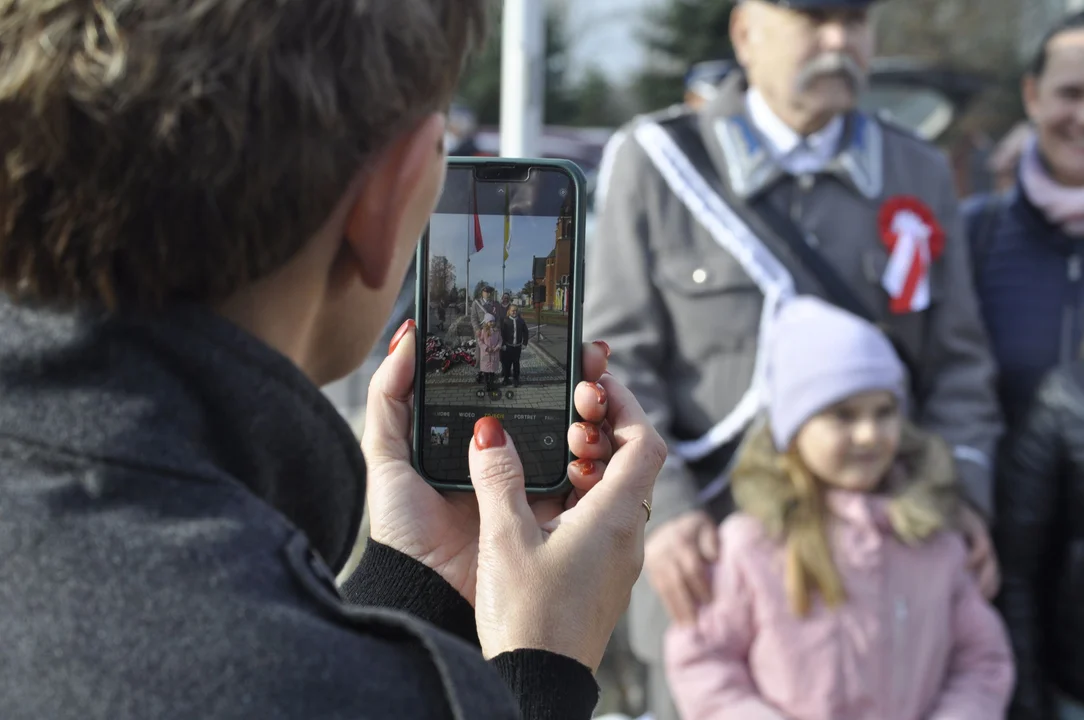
<point x="710" y="72"/>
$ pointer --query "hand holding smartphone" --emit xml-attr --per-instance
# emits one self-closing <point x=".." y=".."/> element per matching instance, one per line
<point x="561" y="581"/>
<point x="499" y="295"/>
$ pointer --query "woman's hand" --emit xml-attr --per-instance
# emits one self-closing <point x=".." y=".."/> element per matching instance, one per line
<point x="441" y="530"/>
<point x="559" y="578"/>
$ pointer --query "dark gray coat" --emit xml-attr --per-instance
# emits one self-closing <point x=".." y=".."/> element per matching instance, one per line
<point x="167" y="492"/>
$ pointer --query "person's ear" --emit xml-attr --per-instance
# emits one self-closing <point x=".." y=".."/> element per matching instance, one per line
<point x="398" y="192"/>
<point x="739" y="32"/>
<point x="1029" y="91"/>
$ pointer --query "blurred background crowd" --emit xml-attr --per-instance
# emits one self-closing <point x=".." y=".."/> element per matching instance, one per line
<point x="975" y="79"/>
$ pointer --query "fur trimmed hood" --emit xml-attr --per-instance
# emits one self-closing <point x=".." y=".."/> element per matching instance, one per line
<point x="922" y="489"/>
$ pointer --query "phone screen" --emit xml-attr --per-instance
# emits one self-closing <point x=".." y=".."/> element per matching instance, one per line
<point x="500" y="259"/>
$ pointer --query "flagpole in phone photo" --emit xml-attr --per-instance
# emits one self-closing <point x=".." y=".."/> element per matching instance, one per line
<point x="467" y="294"/>
<point x="539" y="301"/>
<point x="507" y="233"/>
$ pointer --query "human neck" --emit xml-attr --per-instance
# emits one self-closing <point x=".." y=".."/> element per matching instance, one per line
<point x="801" y="122"/>
<point x="287" y="310"/>
<point x="1060" y="203"/>
<point x="282" y="320"/>
<point x="1051" y="172"/>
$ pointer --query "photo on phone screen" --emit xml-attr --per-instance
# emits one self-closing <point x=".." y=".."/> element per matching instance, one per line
<point x="497" y="311"/>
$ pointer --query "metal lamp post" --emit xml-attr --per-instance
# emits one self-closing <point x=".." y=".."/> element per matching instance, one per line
<point x="522" y="77"/>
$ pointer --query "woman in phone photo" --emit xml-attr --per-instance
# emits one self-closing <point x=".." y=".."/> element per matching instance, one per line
<point x="489" y="350"/>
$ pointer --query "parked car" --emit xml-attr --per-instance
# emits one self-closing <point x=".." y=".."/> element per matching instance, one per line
<point x="922" y="96"/>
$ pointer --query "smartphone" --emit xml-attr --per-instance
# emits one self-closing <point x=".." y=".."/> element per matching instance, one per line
<point x="499" y="297"/>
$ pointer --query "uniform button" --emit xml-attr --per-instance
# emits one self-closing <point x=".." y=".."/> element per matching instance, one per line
<point x="700" y="276"/>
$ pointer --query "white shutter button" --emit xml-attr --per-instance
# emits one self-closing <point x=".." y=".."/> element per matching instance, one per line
<point x="700" y="276"/>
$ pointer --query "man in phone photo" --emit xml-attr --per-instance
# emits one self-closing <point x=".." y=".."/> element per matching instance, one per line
<point x="481" y="307"/>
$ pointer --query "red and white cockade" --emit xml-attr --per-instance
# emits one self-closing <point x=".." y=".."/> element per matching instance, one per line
<point x="914" y="240"/>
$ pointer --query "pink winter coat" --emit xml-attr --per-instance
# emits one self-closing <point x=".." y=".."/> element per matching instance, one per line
<point x="915" y="639"/>
<point x="489" y="350"/>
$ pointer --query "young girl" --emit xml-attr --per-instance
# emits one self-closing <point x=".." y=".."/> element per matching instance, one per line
<point x="841" y="592"/>
<point x="489" y="346"/>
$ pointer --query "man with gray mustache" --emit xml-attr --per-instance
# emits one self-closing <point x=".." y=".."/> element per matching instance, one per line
<point x="778" y="186"/>
<point x="837" y="64"/>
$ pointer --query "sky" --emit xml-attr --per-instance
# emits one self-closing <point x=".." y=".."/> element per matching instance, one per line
<point x="531" y="236"/>
<point x="610" y="24"/>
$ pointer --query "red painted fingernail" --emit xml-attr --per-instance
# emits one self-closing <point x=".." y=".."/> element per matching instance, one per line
<point x="584" y="467"/>
<point x="601" y="393"/>
<point x="488" y="433"/>
<point x="592" y="433"/>
<point x="399" y="335"/>
<point x="604" y="346"/>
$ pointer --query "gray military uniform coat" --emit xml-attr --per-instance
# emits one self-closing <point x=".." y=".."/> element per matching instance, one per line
<point x="684" y="289"/>
<point x="478" y="310"/>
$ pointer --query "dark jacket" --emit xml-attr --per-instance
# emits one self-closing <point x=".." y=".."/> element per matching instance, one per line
<point x="170" y="489"/>
<point x="508" y="331"/>
<point x="1030" y="285"/>
<point x="1040" y="534"/>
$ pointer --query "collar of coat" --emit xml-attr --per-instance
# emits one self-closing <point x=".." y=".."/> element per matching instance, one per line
<point x="180" y="399"/>
<point x="746" y="162"/>
<point x="918" y="497"/>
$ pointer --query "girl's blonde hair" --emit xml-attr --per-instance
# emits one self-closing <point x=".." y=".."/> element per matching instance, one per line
<point x="779" y="490"/>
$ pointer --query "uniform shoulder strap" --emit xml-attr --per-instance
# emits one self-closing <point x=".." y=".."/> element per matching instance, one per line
<point x="793" y="242"/>
<point x="835" y="287"/>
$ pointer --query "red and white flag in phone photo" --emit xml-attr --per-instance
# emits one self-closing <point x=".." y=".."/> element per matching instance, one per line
<point x="914" y="240"/>
<point x="474" y="232"/>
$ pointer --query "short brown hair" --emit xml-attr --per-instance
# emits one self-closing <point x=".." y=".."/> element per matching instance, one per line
<point x="178" y="149"/>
